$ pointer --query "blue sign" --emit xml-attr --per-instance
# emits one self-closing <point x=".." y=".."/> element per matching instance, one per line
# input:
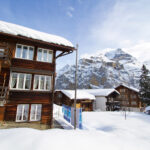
<point x="68" y="113"/>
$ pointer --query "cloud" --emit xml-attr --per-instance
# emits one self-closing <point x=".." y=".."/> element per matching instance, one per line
<point x="141" y="51"/>
<point x="126" y="25"/>
<point x="70" y="11"/>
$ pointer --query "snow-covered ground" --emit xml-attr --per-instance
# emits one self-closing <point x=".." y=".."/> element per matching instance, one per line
<point x="102" y="130"/>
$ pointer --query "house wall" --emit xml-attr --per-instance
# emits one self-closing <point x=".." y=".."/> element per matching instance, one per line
<point x="100" y="103"/>
<point x="33" y="67"/>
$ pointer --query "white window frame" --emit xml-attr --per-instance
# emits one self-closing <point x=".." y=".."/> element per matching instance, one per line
<point x="43" y="55"/>
<point x="28" y="47"/>
<point x="22" y="113"/>
<point x="18" y="74"/>
<point x="39" y="83"/>
<point x="35" y="112"/>
<point x="133" y="102"/>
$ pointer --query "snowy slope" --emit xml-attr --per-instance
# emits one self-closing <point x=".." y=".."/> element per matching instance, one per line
<point x="106" y="69"/>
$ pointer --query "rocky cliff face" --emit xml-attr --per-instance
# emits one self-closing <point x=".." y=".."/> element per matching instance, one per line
<point x="104" y="70"/>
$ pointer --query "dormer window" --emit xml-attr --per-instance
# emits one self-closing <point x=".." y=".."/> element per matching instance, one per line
<point x="24" y="52"/>
<point x="44" y="55"/>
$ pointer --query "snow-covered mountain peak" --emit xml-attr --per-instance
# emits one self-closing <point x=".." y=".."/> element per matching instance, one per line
<point x="105" y="69"/>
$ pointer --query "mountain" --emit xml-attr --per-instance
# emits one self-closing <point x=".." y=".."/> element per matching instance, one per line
<point x="106" y="69"/>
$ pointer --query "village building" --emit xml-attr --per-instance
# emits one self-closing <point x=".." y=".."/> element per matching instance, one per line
<point x="129" y="97"/>
<point x="87" y="99"/>
<point x="27" y="75"/>
<point x="102" y="97"/>
<point x="66" y="97"/>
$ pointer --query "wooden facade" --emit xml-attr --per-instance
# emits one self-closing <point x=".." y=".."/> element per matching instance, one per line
<point x="128" y="97"/>
<point x="61" y="98"/>
<point x="11" y="98"/>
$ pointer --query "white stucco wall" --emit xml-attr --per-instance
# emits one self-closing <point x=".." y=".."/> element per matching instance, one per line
<point x="100" y="103"/>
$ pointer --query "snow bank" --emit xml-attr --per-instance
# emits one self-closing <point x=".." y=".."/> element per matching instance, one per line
<point x="14" y="29"/>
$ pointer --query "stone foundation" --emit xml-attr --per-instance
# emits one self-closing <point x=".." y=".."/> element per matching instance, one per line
<point x="10" y="124"/>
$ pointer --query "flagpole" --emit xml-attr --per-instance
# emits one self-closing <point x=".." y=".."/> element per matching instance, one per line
<point x="76" y="84"/>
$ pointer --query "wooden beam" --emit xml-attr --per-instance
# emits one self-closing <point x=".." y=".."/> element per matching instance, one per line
<point x="32" y="71"/>
<point x="63" y="54"/>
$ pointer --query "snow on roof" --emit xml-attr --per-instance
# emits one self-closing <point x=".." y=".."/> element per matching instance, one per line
<point x="80" y="94"/>
<point x="14" y="29"/>
<point x="129" y="87"/>
<point x="101" y="92"/>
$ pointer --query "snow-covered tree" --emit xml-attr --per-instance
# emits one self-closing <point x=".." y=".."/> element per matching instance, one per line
<point x="144" y="92"/>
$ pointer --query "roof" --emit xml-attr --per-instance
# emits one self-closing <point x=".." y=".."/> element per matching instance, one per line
<point x="80" y="94"/>
<point x="101" y="92"/>
<point x="129" y="87"/>
<point x="18" y="30"/>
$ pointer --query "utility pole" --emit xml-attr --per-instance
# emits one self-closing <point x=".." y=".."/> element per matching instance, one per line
<point x="76" y="84"/>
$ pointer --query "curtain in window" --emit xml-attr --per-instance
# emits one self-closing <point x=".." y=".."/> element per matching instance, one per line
<point x="21" y="81"/>
<point x="48" y="83"/>
<point x="22" y="112"/>
<point x="14" y="80"/>
<point x="50" y="56"/>
<point x="25" y="51"/>
<point x="38" y="115"/>
<point x="45" y="55"/>
<point x="36" y="82"/>
<point x="39" y="54"/>
<point x="31" y="53"/>
<point x="19" y="112"/>
<point x="18" y="51"/>
<point x="35" y="114"/>
<point x="42" y="82"/>
<point x="28" y="81"/>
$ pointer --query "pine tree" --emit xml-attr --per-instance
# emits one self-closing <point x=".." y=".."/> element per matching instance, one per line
<point x="144" y="92"/>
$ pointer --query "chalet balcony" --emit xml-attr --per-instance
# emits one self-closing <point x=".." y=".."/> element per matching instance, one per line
<point x="3" y="95"/>
<point x="5" y="56"/>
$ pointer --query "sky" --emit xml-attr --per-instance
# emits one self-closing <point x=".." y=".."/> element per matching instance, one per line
<point x="92" y="24"/>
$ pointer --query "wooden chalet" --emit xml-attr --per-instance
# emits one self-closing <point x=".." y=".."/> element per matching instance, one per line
<point x="27" y="75"/>
<point x="129" y="97"/>
<point x="66" y="97"/>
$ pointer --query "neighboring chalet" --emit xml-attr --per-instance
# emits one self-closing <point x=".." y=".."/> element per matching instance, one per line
<point x="102" y="96"/>
<point x="88" y="99"/>
<point x="66" y="97"/>
<point x="129" y="97"/>
<point x="27" y="75"/>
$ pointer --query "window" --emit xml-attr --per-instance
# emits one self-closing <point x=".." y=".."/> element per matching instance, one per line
<point x="133" y="96"/>
<point x="24" y="52"/>
<point x="42" y="82"/>
<point x="133" y="103"/>
<point x="44" y="55"/>
<point x="122" y="90"/>
<point x="35" y="114"/>
<point x="20" y="81"/>
<point x="22" y="112"/>
<point x="1" y="51"/>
